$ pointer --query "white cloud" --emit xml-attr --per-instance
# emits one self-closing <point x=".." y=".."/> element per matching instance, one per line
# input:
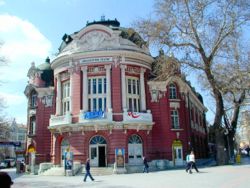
<point x="13" y="99"/>
<point x="23" y="43"/>
<point x="2" y="2"/>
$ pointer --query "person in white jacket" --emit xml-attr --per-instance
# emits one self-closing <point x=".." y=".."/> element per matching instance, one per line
<point x="192" y="160"/>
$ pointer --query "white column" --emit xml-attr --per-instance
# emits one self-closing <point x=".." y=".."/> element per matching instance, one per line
<point x="85" y="88"/>
<point x="71" y="89"/>
<point x="108" y="81"/>
<point x="142" y="87"/>
<point x="59" y="95"/>
<point x="124" y="91"/>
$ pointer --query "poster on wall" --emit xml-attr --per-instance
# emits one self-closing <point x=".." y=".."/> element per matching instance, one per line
<point x="68" y="162"/>
<point x="120" y="157"/>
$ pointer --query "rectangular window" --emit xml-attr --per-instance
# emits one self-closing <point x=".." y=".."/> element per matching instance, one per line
<point x="100" y="103"/>
<point x="138" y="87"/>
<point x="94" y="104"/>
<point x="66" y="97"/>
<point x="89" y="86"/>
<point x="133" y="94"/>
<point x="175" y="119"/>
<point x="97" y="98"/>
<point x="89" y="103"/>
<point x="105" y="85"/>
<point x="129" y="86"/>
<point x="100" y="85"/>
<point x="33" y="100"/>
<point x="94" y="86"/>
<point x="32" y="130"/>
<point x="130" y="105"/>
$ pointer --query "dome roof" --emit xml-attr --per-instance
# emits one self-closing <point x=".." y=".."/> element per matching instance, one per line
<point x="45" y="66"/>
<point x="104" y="35"/>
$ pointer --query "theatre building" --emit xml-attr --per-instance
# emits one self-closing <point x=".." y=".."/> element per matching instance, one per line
<point x="99" y="95"/>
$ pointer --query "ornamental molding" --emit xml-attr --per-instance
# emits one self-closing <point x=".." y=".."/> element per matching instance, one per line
<point x="46" y="95"/>
<point x="74" y="67"/>
<point x="97" y="39"/>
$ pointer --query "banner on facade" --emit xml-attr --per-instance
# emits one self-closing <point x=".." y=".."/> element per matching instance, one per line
<point x="120" y="157"/>
<point x="68" y="160"/>
<point x="94" y="115"/>
<point x="8" y="144"/>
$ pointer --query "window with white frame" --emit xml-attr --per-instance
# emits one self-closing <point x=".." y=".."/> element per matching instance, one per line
<point x="33" y="100"/>
<point x="172" y="91"/>
<point x="133" y="94"/>
<point x="97" y="89"/>
<point x="66" y="97"/>
<point x="32" y="128"/>
<point x="175" y="119"/>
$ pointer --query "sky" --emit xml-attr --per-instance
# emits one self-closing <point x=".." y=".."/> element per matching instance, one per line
<point x="32" y="30"/>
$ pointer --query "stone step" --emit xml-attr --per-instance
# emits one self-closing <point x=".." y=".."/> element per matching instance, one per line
<point x="54" y="171"/>
<point x="100" y="171"/>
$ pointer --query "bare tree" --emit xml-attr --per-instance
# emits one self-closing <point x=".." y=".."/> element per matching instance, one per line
<point x="201" y="32"/>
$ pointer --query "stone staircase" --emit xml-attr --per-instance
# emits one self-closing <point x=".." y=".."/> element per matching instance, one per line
<point x="54" y="171"/>
<point x="99" y="171"/>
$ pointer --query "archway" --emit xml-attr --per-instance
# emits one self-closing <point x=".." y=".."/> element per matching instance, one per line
<point x="97" y="151"/>
<point x="64" y="148"/>
<point x="135" y="151"/>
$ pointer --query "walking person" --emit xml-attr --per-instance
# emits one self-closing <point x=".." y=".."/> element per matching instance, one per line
<point x="188" y="164"/>
<point x="145" y="162"/>
<point x="87" y="168"/>
<point x="192" y="160"/>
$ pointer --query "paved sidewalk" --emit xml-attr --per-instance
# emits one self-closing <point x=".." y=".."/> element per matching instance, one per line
<point x="230" y="176"/>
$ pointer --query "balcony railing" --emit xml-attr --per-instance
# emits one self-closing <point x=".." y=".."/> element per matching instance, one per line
<point x="60" y="120"/>
<point x="137" y="117"/>
<point x="96" y="116"/>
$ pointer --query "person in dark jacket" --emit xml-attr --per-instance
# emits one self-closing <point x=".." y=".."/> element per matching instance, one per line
<point x="5" y="180"/>
<point x="87" y="168"/>
<point x="145" y="162"/>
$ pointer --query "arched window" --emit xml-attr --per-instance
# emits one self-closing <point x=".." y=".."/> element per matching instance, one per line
<point x="172" y="91"/>
<point x="134" y="139"/>
<point x="98" y="140"/>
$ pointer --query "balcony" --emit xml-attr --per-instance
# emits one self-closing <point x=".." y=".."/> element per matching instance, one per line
<point x="60" y="120"/>
<point x="138" y="120"/>
<point x="96" y="117"/>
<point x="137" y="117"/>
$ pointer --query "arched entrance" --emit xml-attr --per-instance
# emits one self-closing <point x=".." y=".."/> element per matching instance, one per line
<point x="177" y="152"/>
<point x="135" y="149"/>
<point x="64" y="147"/>
<point x="97" y="151"/>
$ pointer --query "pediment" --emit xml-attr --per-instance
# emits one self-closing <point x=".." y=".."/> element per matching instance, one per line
<point x="97" y="37"/>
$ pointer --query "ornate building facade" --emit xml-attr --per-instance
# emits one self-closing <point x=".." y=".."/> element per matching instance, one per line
<point x="98" y="95"/>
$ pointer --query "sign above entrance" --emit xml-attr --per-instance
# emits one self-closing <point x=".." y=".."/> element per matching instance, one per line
<point x="96" y="60"/>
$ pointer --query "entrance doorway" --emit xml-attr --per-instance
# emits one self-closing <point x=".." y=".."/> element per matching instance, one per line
<point x="64" y="148"/>
<point x="97" y="151"/>
<point x="177" y="153"/>
<point x="135" y="150"/>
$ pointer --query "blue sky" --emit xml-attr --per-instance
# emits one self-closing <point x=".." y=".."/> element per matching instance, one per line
<point x="32" y="30"/>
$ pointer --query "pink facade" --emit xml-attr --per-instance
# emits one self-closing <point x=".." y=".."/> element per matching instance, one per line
<point x="103" y="99"/>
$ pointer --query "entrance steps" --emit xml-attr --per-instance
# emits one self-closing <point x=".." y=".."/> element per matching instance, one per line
<point x="54" y="171"/>
<point x="100" y="171"/>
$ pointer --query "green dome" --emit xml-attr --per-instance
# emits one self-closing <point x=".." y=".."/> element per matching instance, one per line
<point x="45" y="66"/>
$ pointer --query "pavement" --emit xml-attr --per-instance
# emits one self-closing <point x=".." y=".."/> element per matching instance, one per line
<point x="228" y="176"/>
